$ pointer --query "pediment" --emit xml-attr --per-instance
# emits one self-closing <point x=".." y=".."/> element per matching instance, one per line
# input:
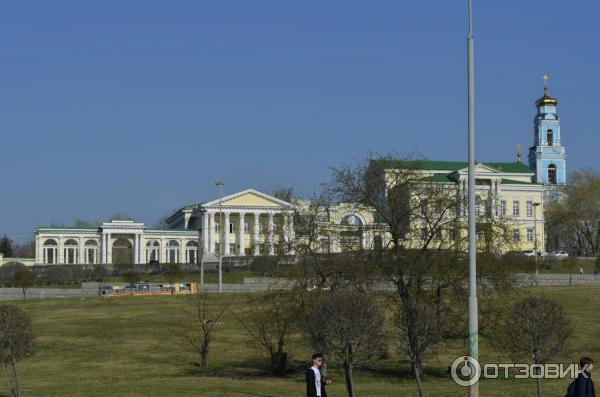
<point x="250" y="198"/>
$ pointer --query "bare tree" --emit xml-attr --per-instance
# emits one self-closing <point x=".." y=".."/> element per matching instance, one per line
<point x="539" y="330"/>
<point x="24" y="279"/>
<point x="132" y="277"/>
<point x="172" y="272"/>
<point x="424" y="241"/>
<point x="16" y="343"/>
<point x="270" y="319"/>
<point x="203" y="315"/>
<point x="349" y="326"/>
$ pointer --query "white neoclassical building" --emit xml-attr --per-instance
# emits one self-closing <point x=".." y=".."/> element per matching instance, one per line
<point x="250" y="220"/>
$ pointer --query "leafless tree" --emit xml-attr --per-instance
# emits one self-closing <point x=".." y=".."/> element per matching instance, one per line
<point x="270" y="319"/>
<point x="202" y="317"/>
<point x="424" y="242"/>
<point x="24" y="279"/>
<point x="349" y="326"/>
<point x="537" y="329"/>
<point x="16" y="343"/>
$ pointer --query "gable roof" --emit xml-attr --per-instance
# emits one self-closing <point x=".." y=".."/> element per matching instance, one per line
<point x="232" y="197"/>
<point x="450" y="166"/>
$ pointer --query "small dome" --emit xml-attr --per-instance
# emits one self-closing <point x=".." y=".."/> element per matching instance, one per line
<point x="546" y="100"/>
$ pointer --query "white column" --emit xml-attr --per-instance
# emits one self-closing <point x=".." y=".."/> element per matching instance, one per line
<point x="80" y="253"/>
<point x="162" y="252"/>
<point x="108" y="249"/>
<point x="61" y="251"/>
<point x="225" y="228"/>
<point x="103" y="249"/>
<point x="136" y="248"/>
<point x="38" y="253"/>
<point x="270" y="238"/>
<point x="255" y="232"/>
<point x="205" y="231"/>
<point x="241" y="234"/>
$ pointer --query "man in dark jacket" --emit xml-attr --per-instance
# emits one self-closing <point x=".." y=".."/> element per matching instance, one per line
<point x="315" y="383"/>
<point x="585" y="386"/>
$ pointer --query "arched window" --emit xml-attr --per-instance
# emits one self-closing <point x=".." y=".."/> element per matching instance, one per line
<point x="173" y="251"/>
<point x="552" y="174"/>
<point x="191" y="252"/>
<point x="70" y="251"/>
<point x="351" y="220"/>
<point x="91" y="251"/>
<point x="50" y="251"/>
<point x="152" y="251"/>
<point x="550" y="137"/>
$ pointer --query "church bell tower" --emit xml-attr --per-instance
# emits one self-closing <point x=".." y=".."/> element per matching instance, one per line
<point x="547" y="157"/>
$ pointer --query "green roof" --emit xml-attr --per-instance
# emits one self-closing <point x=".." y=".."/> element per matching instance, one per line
<point x="85" y="229"/>
<point x="429" y="165"/>
<point x="438" y="178"/>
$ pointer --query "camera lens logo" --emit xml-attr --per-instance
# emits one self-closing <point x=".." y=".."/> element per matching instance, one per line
<point x="465" y="371"/>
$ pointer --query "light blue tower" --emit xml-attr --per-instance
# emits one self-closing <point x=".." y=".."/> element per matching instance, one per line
<point x="547" y="157"/>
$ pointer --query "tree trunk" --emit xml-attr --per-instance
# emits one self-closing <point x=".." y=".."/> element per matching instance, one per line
<point x="205" y="343"/>
<point x="279" y="362"/>
<point x="538" y="384"/>
<point x="349" y="380"/>
<point x="16" y="389"/>
<point x="416" y="366"/>
<point x="24" y="292"/>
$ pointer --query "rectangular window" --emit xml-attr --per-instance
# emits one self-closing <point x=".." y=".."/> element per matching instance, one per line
<point x="217" y="227"/>
<point x="91" y="257"/>
<point x="516" y="208"/>
<point x="516" y="235"/>
<point x="503" y="208"/>
<point x="246" y="227"/>
<point x="530" y="235"/>
<point x="530" y="209"/>
<point x="231" y="228"/>
<point x="217" y="248"/>
<point x="232" y="248"/>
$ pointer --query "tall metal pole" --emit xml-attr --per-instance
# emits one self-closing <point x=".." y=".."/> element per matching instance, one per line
<point x="221" y="184"/>
<point x="535" y="238"/>
<point x="473" y="320"/>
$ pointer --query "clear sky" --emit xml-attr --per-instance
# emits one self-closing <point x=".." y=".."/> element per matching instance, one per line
<point x="139" y="106"/>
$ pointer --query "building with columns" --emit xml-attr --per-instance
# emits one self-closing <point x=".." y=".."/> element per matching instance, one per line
<point x="252" y="223"/>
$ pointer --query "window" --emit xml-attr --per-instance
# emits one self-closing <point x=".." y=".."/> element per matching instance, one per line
<point x="516" y="208"/>
<point x="503" y="207"/>
<point x="231" y="228"/>
<point x="191" y="252"/>
<point x="90" y="251"/>
<point x="152" y="251"/>
<point x="530" y="209"/>
<point x="530" y="235"/>
<point x="550" y="137"/>
<point x="246" y="227"/>
<point x="70" y="252"/>
<point x="218" y="248"/>
<point x="173" y="251"/>
<point x="50" y="251"/>
<point x="217" y="227"/>
<point x="232" y="248"/>
<point x="552" y="173"/>
<point x="516" y="235"/>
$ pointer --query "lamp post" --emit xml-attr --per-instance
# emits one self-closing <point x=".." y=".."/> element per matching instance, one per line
<point x="473" y="336"/>
<point x="535" y="238"/>
<point x="220" y="184"/>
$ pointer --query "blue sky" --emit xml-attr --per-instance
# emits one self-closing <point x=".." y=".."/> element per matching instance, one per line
<point x="139" y="106"/>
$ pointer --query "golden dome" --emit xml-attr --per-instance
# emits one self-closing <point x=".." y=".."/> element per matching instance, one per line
<point x="546" y="100"/>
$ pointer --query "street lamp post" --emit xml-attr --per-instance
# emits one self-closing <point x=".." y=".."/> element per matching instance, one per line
<point x="220" y="184"/>
<point x="535" y="235"/>
<point x="473" y="336"/>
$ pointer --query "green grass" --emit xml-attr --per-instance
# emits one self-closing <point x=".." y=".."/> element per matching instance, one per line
<point x="128" y="347"/>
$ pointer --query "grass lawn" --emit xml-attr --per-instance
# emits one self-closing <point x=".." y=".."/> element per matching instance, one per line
<point x="129" y="347"/>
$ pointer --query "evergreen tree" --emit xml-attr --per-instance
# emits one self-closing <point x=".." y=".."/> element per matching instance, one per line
<point x="6" y="246"/>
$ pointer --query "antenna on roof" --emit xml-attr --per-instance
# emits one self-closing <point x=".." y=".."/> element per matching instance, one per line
<point x="519" y="149"/>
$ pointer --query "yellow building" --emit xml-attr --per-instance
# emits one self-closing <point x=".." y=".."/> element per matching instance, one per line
<point x="504" y="193"/>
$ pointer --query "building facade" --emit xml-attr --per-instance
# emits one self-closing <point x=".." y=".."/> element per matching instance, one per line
<point x="251" y="223"/>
